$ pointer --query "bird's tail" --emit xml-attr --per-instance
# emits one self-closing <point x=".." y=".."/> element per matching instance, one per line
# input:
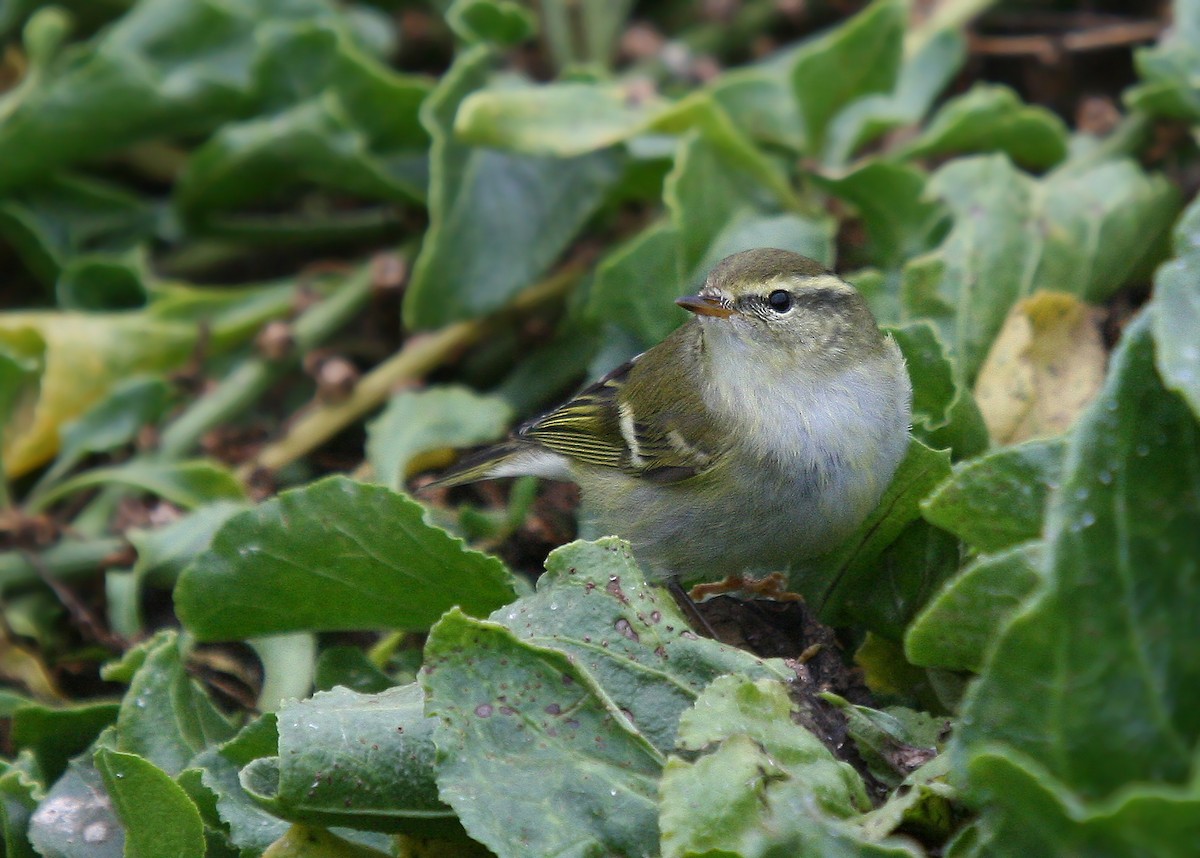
<point x="481" y="465"/>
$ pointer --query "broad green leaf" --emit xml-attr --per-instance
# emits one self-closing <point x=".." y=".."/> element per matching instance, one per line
<point x="959" y="625"/>
<point x="847" y="579"/>
<point x="830" y="73"/>
<point x="1169" y="70"/>
<point x="359" y="760"/>
<point x="533" y="755"/>
<point x="19" y="794"/>
<point x="421" y="422"/>
<point x="133" y="404"/>
<point x="931" y="59"/>
<point x="340" y="120"/>
<point x="991" y="118"/>
<point x="64" y="217"/>
<point x="892" y="742"/>
<point x="1027" y="811"/>
<point x="250" y="828"/>
<point x="334" y="555"/>
<point x="1177" y="312"/>
<point x="717" y="210"/>
<point x="998" y="500"/>
<point x="160" y="820"/>
<point x="594" y="605"/>
<point x="572" y="118"/>
<point x="1089" y="678"/>
<point x="501" y="22"/>
<point x="162" y="69"/>
<point x="164" y="552"/>
<point x="637" y="283"/>
<point x="891" y="201"/>
<point x="565" y="119"/>
<point x="762" y="784"/>
<point x="759" y="100"/>
<point x="76" y="819"/>
<point x="350" y="667"/>
<point x="498" y="220"/>
<point x="86" y="357"/>
<point x="944" y="411"/>
<point x="54" y="735"/>
<point x="1083" y="233"/>
<point x="186" y="484"/>
<point x="165" y="717"/>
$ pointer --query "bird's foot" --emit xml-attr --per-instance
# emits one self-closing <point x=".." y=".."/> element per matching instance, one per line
<point x="773" y="586"/>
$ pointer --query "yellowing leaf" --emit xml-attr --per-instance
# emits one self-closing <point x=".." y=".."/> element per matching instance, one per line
<point x="1043" y="369"/>
<point x="86" y="356"/>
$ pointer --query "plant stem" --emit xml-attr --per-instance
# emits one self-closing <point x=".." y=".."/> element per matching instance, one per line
<point x="420" y="354"/>
<point x="246" y="384"/>
<point x="63" y="561"/>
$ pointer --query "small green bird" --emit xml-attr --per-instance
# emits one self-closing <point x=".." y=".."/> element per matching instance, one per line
<point x="758" y="434"/>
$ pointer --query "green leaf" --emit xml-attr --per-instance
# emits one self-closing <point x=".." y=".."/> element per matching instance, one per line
<point x="164" y="552"/>
<point x="334" y="555"/>
<point x="1041" y="816"/>
<point x="761" y="711"/>
<point x="165" y="717"/>
<point x="160" y="820"/>
<point x="762" y="785"/>
<point x="1169" y="70"/>
<point x="250" y="828"/>
<point x="565" y="119"/>
<point x="944" y="411"/>
<point x="958" y="627"/>
<point x="830" y="73"/>
<point x="64" y="217"/>
<point x="1084" y="233"/>
<point x="930" y="64"/>
<point x="497" y="220"/>
<point x="594" y="605"/>
<point x="54" y="735"/>
<point x="110" y="423"/>
<point x="998" y="500"/>
<point x="892" y="203"/>
<point x="76" y="819"/>
<point x="501" y="22"/>
<point x="417" y="422"/>
<point x="636" y="284"/>
<point x="1122" y="572"/>
<point x="717" y="210"/>
<point x="349" y="666"/>
<point x="1177" y="312"/>
<point x="359" y="760"/>
<point x="990" y="118"/>
<point x="532" y="754"/>
<point x="341" y="121"/>
<point x="161" y="70"/>
<point x="846" y="579"/>
<point x="893" y="742"/>
<point x="19" y="793"/>
<point x="86" y="356"/>
<point x="185" y="484"/>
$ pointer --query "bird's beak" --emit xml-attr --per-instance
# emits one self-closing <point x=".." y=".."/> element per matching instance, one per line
<point x="702" y="305"/>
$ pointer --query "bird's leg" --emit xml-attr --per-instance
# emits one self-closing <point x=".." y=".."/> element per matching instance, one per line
<point x="690" y="608"/>
<point x="774" y="587"/>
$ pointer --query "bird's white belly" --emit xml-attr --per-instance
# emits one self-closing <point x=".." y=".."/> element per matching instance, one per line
<point x="812" y="471"/>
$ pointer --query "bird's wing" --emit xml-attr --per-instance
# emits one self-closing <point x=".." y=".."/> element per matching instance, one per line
<point x="666" y="442"/>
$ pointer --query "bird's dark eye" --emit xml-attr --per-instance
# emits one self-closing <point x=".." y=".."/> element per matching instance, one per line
<point x="780" y="300"/>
